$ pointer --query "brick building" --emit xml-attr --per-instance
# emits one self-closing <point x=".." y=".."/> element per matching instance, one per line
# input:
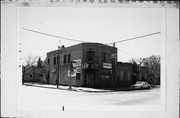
<point x="128" y="73"/>
<point x="92" y="65"/>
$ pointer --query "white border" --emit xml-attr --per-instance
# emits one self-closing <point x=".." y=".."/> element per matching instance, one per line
<point x="9" y="72"/>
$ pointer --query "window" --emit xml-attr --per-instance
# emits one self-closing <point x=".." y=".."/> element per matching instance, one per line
<point x="30" y="76"/>
<point x="78" y="76"/>
<point x="58" y="59"/>
<point x="69" y="58"/>
<point x="90" y="55"/>
<point x="103" y="56"/>
<point x="48" y="60"/>
<point x="64" y="59"/>
<point x="54" y="61"/>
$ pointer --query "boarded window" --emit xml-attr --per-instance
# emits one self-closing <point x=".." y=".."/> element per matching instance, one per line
<point x="128" y="75"/>
<point x="121" y="75"/>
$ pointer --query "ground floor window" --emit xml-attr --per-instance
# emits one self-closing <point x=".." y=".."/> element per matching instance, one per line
<point x="78" y="76"/>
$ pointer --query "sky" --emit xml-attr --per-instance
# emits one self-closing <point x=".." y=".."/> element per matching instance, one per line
<point x="102" y="25"/>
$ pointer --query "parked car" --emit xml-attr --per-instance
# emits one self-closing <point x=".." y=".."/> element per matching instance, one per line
<point x="141" y="85"/>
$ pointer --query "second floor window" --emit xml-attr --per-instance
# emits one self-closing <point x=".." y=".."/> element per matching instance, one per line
<point x="54" y="61"/>
<point x="90" y="55"/>
<point x="69" y="58"/>
<point x="48" y="60"/>
<point x="64" y="59"/>
<point x="103" y="56"/>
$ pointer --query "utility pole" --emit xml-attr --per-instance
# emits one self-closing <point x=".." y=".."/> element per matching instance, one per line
<point x="70" y="76"/>
<point x="113" y="66"/>
<point x="57" y="81"/>
<point x="71" y="68"/>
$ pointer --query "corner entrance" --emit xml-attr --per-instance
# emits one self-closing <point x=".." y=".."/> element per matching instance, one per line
<point x="90" y="79"/>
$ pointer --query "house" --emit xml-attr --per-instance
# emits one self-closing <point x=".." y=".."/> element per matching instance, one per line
<point x="32" y="73"/>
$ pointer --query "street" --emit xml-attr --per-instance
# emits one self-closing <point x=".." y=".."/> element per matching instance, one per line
<point x="37" y="98"/>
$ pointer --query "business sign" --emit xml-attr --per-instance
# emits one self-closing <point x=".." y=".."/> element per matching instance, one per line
<point x="113" y="56"/>
<point x="78" y="70"/>
<point x="75" y="70"/>
<point x="107" y="65"/>
<point x="85" y="65"/>
<point x="76" y="63"/>
<point x="73" y="73"/>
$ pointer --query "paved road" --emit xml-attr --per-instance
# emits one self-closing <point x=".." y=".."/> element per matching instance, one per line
<point x="35" y="98"/>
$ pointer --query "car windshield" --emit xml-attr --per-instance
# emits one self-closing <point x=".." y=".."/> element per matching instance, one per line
<point x="138" y="82"/>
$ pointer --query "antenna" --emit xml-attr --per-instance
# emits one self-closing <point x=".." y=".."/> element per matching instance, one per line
<point x="59" y="45"/>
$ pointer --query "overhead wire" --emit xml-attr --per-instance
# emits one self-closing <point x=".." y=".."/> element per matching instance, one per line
<point x="107" y="44"/>
<point x="135" y="37"/>
<point x="70" y="39"/>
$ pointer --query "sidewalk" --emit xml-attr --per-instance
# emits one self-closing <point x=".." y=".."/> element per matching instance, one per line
<point x="82" y="89"/>
<point x="61" y="87"/>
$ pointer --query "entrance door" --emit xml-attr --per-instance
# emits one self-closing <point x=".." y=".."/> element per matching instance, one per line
<point x="90" y="79"/>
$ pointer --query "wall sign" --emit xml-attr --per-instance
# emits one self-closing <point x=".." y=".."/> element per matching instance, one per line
<point x="77" y="63"/>
<point x="107" y="65"/>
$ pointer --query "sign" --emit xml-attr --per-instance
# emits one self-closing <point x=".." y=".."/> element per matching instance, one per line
<point x="78" y="70"/>
<point x="85" y="65"/>
<point x="113" y="56"/>
<point x="73" y="73"/>
<point x="77" y="63"/>
<point x="107" y="65"/>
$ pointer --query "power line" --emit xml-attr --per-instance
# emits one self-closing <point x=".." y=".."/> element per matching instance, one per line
<point x="128" y="53"/>
<point x="132" y="54"/>
<point x="91" y="42"/>
<point x="62" y="37"/>
<point x="70" y="39"/>
<point x="136" y="37"/>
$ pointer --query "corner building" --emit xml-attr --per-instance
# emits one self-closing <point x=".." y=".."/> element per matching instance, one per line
<point x="92" y="66"/>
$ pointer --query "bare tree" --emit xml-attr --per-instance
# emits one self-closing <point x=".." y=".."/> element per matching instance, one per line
<point x="154" y="67"/>
<point x="153" y="63"/>
<point x="30" y="62"/>
<point x="138" y="61"/>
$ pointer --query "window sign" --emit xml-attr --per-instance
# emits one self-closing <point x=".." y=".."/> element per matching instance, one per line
<point x="73" y="73"/>
<point x="77" y="63"/>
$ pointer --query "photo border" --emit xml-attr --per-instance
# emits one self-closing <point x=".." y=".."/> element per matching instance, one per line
<point x="9" y="46"/>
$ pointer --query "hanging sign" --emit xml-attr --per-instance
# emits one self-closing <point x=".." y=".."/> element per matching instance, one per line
<point x="85" y="65"/>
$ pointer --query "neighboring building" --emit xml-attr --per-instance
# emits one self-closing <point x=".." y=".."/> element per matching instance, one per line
<point x="93" y="65"/>
<point x="125" y="74"/>
<point x="128" y="74"/>
<point x="33" y="73"/>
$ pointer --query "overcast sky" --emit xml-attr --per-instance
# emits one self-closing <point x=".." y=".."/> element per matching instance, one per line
<point x="103" y="25"/>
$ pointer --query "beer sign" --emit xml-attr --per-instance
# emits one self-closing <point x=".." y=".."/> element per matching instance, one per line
<point x="76" y="63"/>
<point x="107" y="65"/>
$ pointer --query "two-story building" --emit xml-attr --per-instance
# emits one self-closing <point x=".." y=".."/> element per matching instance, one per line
<point x="92" y="65"/>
